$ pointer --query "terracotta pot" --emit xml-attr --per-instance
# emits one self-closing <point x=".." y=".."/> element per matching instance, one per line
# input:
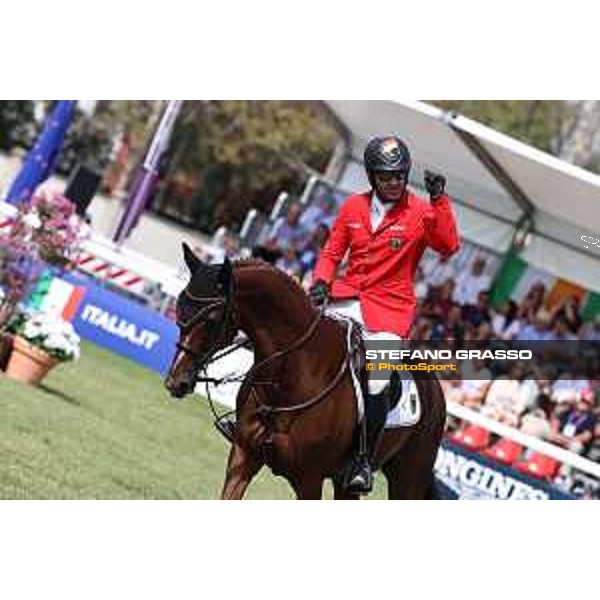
<point x="27" y="363"/>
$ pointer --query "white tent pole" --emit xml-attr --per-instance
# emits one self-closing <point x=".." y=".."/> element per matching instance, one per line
<point x="495" y="169"/>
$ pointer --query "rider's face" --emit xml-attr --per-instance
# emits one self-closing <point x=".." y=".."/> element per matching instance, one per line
<point x="390" y="185"/>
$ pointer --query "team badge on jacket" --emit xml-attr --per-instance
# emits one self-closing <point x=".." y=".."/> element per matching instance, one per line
<point x="395" y="243"/>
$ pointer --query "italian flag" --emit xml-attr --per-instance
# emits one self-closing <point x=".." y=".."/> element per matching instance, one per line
<point x="54" y="296"/>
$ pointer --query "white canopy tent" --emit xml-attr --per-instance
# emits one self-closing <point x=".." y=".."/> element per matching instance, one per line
<point x="499" y="184"/>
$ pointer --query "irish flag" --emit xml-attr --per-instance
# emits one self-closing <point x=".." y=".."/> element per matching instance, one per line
<point x="516" y="277"/>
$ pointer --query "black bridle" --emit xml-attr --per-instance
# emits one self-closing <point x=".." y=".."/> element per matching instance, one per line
<point x="202" y="361"/>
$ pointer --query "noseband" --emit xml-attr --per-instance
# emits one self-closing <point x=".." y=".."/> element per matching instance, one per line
<point x="202" y="360"/>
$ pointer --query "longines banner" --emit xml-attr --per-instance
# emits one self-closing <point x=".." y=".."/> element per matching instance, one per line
<point x="472" y="476"/>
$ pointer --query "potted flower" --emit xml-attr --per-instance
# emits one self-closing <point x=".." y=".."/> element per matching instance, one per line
<point x="48" y="229"/>
<point x="40" y="342"/>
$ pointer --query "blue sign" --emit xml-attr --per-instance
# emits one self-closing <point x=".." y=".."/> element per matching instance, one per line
<point x="473" y="476"/>
<point x="124" y="326"/>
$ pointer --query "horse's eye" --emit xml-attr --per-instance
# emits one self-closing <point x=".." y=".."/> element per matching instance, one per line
<point x="212" y="321"/>
<point x="183" y="311"/>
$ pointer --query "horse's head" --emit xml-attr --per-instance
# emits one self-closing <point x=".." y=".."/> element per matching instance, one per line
<point x="206" y="321"/>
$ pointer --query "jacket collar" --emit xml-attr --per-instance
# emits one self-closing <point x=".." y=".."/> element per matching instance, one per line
<point x="389" y="217"/>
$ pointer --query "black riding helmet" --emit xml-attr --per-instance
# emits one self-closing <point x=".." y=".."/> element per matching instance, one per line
<point x="387" y="153"/>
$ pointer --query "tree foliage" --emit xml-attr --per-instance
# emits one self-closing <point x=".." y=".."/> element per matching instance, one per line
<point x="225" y="156"/>
<point x="241" y="154"/>
<point x="17" y="124"/>
<point x="545" y="124"/>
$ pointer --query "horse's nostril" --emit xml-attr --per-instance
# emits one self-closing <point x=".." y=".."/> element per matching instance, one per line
<point x="179" y="389"/>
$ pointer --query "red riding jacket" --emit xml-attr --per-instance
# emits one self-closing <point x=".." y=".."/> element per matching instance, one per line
<point x="382" y="263"/>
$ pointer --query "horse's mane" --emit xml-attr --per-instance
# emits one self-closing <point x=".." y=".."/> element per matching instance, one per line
<point x="289" y="282"/>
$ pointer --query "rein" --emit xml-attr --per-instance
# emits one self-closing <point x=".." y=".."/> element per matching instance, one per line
<point x="201" y="362"/>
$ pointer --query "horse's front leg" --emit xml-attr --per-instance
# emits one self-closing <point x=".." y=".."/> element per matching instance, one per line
<point x="241" y="468"/>
<point x="340" y="492"/>
<point x="308" y="488"/>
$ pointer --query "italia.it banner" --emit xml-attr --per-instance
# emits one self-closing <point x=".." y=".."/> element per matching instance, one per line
<point x="109" y="319"/>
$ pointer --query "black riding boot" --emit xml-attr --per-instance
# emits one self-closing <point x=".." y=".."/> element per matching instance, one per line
<point x="376" y="409"/>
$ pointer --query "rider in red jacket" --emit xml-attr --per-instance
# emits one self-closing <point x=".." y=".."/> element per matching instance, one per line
<point x="386" y="231"/>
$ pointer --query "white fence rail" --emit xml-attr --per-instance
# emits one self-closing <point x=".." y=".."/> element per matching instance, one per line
<point x="533" y="443"/>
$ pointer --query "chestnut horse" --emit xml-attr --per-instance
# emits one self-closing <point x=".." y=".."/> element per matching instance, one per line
<point x="296" y="410"/>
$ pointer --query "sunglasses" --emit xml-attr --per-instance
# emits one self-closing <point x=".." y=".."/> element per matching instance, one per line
<point x="390" y="176"/>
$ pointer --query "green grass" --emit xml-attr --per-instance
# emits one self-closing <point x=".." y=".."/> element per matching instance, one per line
<point x="106" y="428"/>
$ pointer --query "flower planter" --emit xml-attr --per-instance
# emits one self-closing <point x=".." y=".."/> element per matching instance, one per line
<point x="27" y="363"/>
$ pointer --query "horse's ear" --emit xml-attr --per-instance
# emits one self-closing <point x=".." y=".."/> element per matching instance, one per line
<point x="191" y="260"/>
<point x="225" y="274"/>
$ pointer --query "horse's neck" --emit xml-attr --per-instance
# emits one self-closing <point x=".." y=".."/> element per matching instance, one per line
<point x="272" y="312"/>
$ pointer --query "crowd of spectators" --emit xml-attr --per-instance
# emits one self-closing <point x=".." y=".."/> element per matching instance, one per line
<point x="458" y="310"/>
<point x="557" y="401"/>
<point x="454" y="307"/>
<point x="294" y="241"/>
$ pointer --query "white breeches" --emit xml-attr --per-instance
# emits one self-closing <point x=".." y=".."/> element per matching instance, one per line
<point x="351" y="308"/>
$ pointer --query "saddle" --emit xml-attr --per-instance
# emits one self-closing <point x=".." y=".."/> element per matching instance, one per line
<point x="357" y="358"/>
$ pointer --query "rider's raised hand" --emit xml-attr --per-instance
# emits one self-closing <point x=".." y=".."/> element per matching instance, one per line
<point x="319" y="293"/>
<point x="435" y="185"/>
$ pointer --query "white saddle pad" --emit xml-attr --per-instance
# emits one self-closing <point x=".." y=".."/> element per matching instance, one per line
<point x="408" y="410"/>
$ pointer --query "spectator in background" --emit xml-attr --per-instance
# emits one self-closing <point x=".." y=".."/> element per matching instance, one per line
<point x="470" y="283"/>
<point x="471" y="332"/>
<point x="591" y="331"/>
<point x="286" y="231"/>
<point x="289" y="262"/>
<point x="438" y="272"/>
<point x="536" y="387"/>
<point x="230" y="249"/>
<point x="452" y="327"/>
<point x="310" y="253"/>
<point x="480" y="312"/>
<point x="505" y="401"/>
<point x="477" y="379"/>
<point x="453" y="389"/>
<point x="569" y="387"/>
<point x="422" y="330"/>
<point x="533" y="301"/>
<point x="439" y="302"/>
<point x="569" y="314"/>
<point x="561" y="332"/>
<point x="535" y="422"/>
<point x="593" y="449"/>
<point x="573" y="428"/>
<point x="485" y="333"/>
<point x="505" y="323"/>
<point x="319" y="212"/>
<point x="536" y="330"/>
<point x="421" y="287"/>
